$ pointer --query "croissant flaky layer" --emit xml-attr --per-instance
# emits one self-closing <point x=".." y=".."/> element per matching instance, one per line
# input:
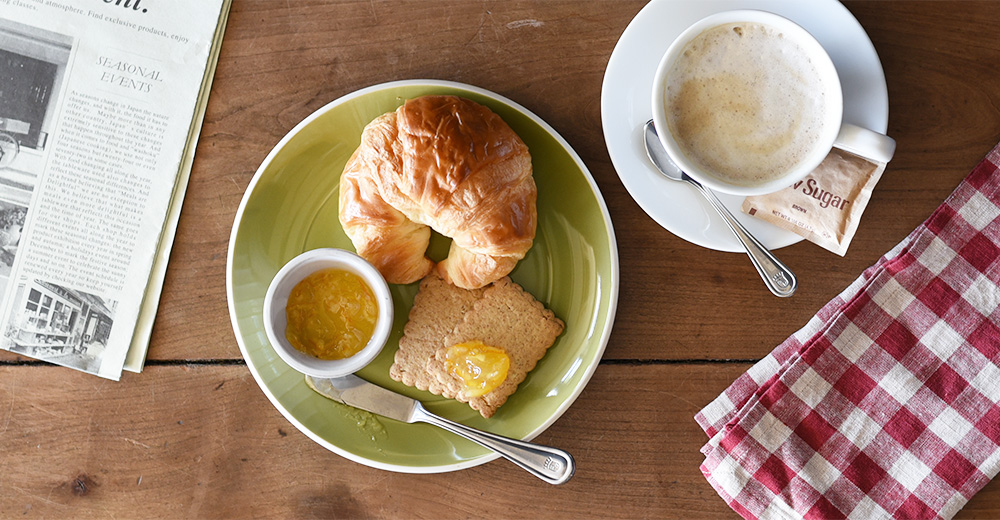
<point x="444" y="163"/>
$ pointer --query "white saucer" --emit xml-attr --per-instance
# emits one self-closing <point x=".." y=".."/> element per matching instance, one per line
<point x="625" y="107"/>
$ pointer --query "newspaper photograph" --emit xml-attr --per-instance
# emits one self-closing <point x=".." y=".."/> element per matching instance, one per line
<point x="98" y="104"/>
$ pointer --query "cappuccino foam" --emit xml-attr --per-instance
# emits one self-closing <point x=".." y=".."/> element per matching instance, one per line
<point x="745" y="103"/>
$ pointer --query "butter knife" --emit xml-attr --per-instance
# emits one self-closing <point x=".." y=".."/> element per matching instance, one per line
<point x="552" y="465"/>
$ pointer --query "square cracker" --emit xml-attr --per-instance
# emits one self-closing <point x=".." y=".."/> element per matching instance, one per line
<point x="508" y="317"/>
<point x="437" y="308"/>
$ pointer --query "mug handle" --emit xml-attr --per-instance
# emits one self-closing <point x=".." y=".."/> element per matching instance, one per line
<point x="866" y="143"/>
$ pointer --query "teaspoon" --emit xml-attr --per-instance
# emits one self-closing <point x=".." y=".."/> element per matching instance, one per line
<point x="776" y="275"/>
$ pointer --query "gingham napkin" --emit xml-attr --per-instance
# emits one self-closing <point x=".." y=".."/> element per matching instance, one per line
<point x="886" y="403"/>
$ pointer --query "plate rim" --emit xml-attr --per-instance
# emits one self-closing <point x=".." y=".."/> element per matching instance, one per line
<point x="785" y="238"/>
<point x="613" y="257"/>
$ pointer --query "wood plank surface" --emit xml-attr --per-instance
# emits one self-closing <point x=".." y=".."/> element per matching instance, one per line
<point x="193" y="436"/>
<point x="203" y="442"/>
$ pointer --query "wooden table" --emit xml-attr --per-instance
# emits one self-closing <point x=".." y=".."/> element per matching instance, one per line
<point x="193" y="435"/>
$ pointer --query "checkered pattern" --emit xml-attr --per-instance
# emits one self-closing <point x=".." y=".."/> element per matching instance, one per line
<point x="887" y="403"/>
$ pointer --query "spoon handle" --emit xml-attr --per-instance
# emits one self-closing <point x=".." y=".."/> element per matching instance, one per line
<point x="776" y="275"/>
<point x="552" y="465"/>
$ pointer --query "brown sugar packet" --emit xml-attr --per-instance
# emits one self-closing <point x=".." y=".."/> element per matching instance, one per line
<point x="826" y="206"/>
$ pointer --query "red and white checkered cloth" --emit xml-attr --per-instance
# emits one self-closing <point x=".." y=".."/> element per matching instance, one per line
<point x="887" y="403"/>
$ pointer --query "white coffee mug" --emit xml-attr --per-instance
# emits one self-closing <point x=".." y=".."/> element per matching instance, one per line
<point x="831" y="130"/>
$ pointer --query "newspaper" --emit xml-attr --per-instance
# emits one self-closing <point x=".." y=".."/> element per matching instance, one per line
<point x="101" y="104"/>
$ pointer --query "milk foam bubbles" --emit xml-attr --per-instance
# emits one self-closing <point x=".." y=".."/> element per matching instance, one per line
<point x="745" y="103"/>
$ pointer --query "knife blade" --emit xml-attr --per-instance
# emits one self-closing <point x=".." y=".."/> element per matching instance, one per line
<point x="354" y="391"/>
<point x="552" y="465"/>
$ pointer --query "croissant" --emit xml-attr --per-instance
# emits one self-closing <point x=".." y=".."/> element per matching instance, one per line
<point x="444" y="163"/>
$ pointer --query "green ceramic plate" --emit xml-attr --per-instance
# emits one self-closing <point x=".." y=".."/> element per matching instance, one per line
<point x="291" y="207"/>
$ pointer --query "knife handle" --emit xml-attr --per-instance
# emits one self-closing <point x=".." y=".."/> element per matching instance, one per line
<point x="552" y="465"/>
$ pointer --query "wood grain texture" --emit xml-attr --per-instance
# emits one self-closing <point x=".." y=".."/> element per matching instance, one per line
<point x="193" y="436"/>
<point x="203" y="442"/>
